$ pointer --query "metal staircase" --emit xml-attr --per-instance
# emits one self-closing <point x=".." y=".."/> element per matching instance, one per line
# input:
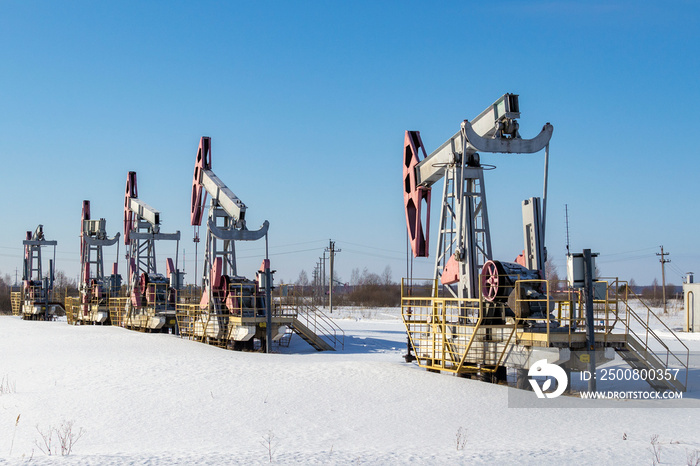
<point x="313" y="326"/>
<point x="640" y="359"/>
<point x="288" y="312"/>
<point x="648" y="352"/>
<point x="310" y="337"/>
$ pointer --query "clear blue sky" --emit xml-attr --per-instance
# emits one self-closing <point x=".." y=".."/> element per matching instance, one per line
<point x="307" y="103"/>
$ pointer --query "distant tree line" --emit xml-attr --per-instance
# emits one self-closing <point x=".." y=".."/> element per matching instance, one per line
<point x="365" y="288"/>
<point x="5" y="288"/>
<point x="370" y="289"/>
<point x="651" y="294"/>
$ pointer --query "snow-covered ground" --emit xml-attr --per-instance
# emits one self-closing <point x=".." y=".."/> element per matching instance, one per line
<point x="158" y="399"/>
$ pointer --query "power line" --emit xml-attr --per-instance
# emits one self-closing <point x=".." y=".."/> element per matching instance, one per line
<point x="277" y="246"/>
<point x="625" y="259"/>
<point x="371" y="247"/>
<point x="677" y="269"/>
<point x="629" y="252"/>
<point x="375" y="255"/>
<point x="280" y="253"/>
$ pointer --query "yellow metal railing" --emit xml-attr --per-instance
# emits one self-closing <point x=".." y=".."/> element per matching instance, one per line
<point x="214" y="326"/>
<point x="566" y="313"/>
<point x="202" y="325"/>
<point x="312" y="318"/>
<point x="650" y="340"/>
<point x="160" y="297"/>
<point x="16" y="302"/>
<point x="457" y="335"/>
<point x="36" y="293"/>
<point x="185" y="315"/>
<point x="117" y="310"/>
<point x="72" y="305"/>
<point x="93" y="311"/>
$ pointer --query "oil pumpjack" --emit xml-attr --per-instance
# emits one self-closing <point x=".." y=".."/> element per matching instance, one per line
<point x="233" y="310"/>
<point x="96" y="289"/>
<point x="151" y="295"/>
<point x="35" y="300"/>
<point x="482" y="315"/>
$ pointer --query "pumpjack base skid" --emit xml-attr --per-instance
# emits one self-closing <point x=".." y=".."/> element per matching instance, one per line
<point x="452" y="335"/>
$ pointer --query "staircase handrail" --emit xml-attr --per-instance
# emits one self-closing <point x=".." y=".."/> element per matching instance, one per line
<point x="631" y="312"/>
<point x="318" y="322"/>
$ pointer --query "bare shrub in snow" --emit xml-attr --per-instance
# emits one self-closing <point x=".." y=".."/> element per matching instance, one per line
<point x="67" y="438"/>
<point x="461" y="438"/>
<point x="368" y="314"/>
<point x="45" y="446"/>
<point x="655" y="449"/>
<point x="7" y="387"/>
<point x="269" y="443"/>
<point x="692" y="458"/>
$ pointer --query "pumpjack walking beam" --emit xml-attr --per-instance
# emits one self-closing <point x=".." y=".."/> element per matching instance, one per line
<point x="464" y="239"/>
<point x="142" y="230"/>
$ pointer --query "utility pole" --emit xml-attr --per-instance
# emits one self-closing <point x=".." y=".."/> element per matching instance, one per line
<point x="663" y="274"/>
<point x="323" y="279"/>
<point x="332" y="250"/>
<point x="315" y="283"/>
<point x="319" y="286"/>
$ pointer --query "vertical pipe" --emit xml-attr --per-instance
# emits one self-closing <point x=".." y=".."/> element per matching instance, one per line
<point x="177" y="250"/>
<point x="544" y="194"/>
<point x="268" y="304"/>
<point x="590" y="330"/>
<point x="209" y="258"/>
<point x="195" y="240"/>
<point x="51" y="267"/>
<point x="688" y="310"/>
<point x="468" y="245"/>
<point x="442" y="231"/>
